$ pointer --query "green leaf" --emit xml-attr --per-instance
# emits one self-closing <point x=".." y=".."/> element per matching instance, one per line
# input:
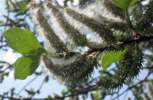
<point x="109" y="57"/>
<point x="133" y="2"/>
<point x="26" y="66"/>
<point x="23" y="5"/>
<point x="21" y="40"/>
<point x="124" y="4"/>
<point x="96" y="96"/>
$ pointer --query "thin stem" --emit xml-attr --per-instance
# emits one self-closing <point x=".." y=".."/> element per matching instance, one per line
<point x="128" y="20"/>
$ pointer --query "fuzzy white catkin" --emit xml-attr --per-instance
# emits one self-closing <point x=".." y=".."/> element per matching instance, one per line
<point x="94" y="10"/>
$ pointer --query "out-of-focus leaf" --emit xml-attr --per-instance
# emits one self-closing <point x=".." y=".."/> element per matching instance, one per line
<point x="124" y="4"/>
<point x="95" y="96"/>
<point x="23" y="5"/>
<point x="1" y="22"/>
<point x="9" y="5"/>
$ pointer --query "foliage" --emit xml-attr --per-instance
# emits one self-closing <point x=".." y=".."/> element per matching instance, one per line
<point x="124" y="4"/>
<point x="124" y="44"/>
<point x="24" y="41"/>
<point x="109" y="57"/>
<point x="26" y="44"/>
<point x="25" y="66"/>
<point x="23" y="5"/>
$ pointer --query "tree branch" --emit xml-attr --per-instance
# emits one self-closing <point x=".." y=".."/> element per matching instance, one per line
<point x="121" y="44"/>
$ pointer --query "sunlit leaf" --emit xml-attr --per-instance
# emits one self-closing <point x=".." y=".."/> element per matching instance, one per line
<point x="109" y="57"/>
<point x="26" y="66"/>
<point x="124" y="4"/>
<point x="133" y="2"/>
<point x="21" y="40"/>
<point x="23" y="5"/>
<point x="96" y="96"/>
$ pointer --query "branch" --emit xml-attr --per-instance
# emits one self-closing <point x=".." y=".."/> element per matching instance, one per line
<point x="132" y="86"/>
<point x="80" y="92"/>
<point x="121" y="44"/>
